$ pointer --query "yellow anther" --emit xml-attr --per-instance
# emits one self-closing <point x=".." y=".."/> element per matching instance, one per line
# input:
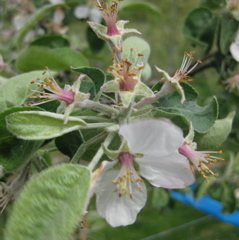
<point x="187" y="54"/>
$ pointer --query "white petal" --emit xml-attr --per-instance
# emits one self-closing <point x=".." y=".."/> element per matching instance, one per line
<point x="82" y="12"/>
<point x="172" y="171"/>
<point x="118" y="211"/>
<point x="95" y="15"/>
<point x="152" y="136"/>
<point x="234" y="49"/>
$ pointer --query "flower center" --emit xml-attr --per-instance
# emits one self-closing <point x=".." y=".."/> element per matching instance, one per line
<point x="200" y="159"/>
<point x="127" y="178"/>
<point x="126" y="72"/>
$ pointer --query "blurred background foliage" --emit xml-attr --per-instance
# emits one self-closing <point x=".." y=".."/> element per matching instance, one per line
<point x="162" y="24"/>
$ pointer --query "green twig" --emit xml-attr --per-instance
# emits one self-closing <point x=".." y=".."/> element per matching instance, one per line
<point x="100" y="151"/>
<point x="83" y="147"/>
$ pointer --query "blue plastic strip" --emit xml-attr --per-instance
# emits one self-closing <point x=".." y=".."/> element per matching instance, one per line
<point x="209" y="206"/>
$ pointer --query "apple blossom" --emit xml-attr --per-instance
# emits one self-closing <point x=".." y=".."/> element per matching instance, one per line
<point x="127" y="80"/>
<point x="113" y="31"/>
<point x="199" y="158"/>
<point x="69" y="96"/>
<point x="152" y="145"/>
<point x="181" y="75"/>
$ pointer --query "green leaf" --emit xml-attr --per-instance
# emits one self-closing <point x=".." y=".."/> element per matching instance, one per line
<point x="69" y="143"/>
<point x="212" y="4"/>
<point x="52" y="204"/>
<point x="14" y="91"/>
<point x="146" y="73"/>
<point x="202" y="118"/>
<point x="160" y="198"/>
<point x="15" y="153"/>
<point x="51" y="42"/>
<point x="139" y="45"/>
<point x="2" y="80"/>
<point x="202" y="188"/>
<point x="200" y="26"/>
<point x="229" y="27"/>
<point x="36" y="125"/>
<point x="216" y="135"/>
<point x="95" y="43"/>
<point x="37" y="57"/>
<point x="228" y="198"/>
<point x="97" y="76"/>
<point x="143" y="6"/>
<point x="34" y="19"/>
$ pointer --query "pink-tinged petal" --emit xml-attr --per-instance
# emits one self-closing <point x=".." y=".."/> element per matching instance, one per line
<point x="152" y="136"/>
<point x="172" y="171"/>
<point x="118" y="211"/>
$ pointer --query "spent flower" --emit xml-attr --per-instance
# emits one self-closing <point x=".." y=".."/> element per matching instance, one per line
<point x="69" y="96"/>
<point x="181" y="75"/>
<point x="152" y="146"/>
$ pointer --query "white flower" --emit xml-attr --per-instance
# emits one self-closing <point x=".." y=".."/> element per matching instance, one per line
<point x="234" y="48"/>
<point x="152" y="144"/>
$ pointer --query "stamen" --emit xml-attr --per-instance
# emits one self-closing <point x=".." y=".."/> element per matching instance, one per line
<point x="127" y="177"/>
<point x="200" y="159"/>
